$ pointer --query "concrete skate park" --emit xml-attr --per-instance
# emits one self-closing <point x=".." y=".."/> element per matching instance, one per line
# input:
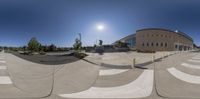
<point x="160" y="75"/>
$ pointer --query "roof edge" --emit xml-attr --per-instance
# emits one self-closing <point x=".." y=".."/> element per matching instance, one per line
<point x="179" y="32"/>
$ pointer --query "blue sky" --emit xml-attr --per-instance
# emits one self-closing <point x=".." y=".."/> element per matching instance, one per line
<point x="59" y="21"/>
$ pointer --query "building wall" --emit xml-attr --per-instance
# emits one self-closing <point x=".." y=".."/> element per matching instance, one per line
<point x="161" y="40"/>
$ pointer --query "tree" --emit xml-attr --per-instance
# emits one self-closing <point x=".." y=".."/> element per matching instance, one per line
<point x="24" y="48"/>
<point x="52" y="47"/>
<point x="95" y="46"/>
<point x="77" y="45"/>
<point x="45" y="48"/>
<point x="34" y="45"/>
<point x="121" y="44"/>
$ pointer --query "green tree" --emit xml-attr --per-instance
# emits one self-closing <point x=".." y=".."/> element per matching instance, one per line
<point x="95" y="46"/>
<point x="34" y="45"/>
<point x="121" y="44"/>
<point x="77" y="45"/>
<point x="24" y="48"/>
<point x="52" y="47"/>
<point x="41" y="48"/>
<point x="45" y="48"/>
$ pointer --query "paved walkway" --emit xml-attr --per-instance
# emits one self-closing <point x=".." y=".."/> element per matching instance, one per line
<point x="135" y="89"/>
<point x="176" y="78"/>
<point x="173" y="77"/>
<point x="23" y="79"/>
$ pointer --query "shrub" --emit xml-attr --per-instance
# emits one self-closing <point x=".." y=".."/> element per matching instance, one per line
<point x="42" y="53"/>
<point x="77" y="45"/>
<point x="80" y="55"/>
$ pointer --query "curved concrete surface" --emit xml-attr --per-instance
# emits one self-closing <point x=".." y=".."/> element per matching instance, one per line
<point x="171" y="87"/>
<point x="141" y="87"/>
<point x="31" y="79"/>
<point x="9" y="89"/>
<point x="75" y="77"/>
<point x="188" y="70"/>
<point x="5" y="80"/>
<point x="191" y="66"/>
<point x="2" y="61"/>
<point x="3" y="67"/>
<point x="196" y="58"/>
<point x="2" y="58"/>
<point x="118" y="79"/>
<point x="23" y="68"/>
<point x="112" y="71"/>
<point x="183" y="76"/>
<point x="116" y="66"/>
<point x="191" y="60"/>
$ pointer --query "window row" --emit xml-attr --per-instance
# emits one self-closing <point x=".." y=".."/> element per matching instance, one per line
<point x="155" y="44"/>
<point x="156" y="35"/>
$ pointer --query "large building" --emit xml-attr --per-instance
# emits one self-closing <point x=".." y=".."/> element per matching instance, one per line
<point x="158" y="39"/>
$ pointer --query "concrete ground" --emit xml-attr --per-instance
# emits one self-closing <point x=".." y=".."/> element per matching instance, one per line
<point x="169" y="76"/>
<point x="124" y="58"/>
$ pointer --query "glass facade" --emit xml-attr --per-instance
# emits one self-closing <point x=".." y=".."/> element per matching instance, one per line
<point x="131" y="42"/>
<point x="180" y="47"/>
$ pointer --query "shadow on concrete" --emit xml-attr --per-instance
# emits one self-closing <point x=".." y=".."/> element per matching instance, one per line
<point x="48" y="59"/>
<point x="140" y="66"/>
<point x="116" y="66"/>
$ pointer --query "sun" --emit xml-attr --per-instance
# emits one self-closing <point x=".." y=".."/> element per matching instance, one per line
<point x="100" y="27"/>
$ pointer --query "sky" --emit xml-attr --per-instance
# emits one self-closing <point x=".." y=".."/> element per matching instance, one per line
<point x="60" y="21"/>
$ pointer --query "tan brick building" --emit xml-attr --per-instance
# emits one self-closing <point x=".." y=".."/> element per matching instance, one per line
<point x="157" y="39"/>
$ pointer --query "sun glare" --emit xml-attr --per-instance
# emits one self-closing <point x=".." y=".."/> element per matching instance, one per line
<point x="100" y="27"/>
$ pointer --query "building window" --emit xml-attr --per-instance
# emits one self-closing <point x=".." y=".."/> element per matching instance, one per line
<point x="143" y="36"/>
<point x="161" y="35"/>
<point x="151" y="44"/>
<point x="131" y="42"/>
<point x="152" y="35"/>
<point x="142" y="44"/>
<point x="176" y="46"/>
<point x="156" y="44"/>
<point x="161" y="44"/>
<point x="157" y="35"/>
<point x="166" y="36"/>
<point x="165" y="44"/>
<point x="147" y="44"/>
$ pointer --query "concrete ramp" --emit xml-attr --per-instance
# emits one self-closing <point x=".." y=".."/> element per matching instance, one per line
<point x="184" y="76"/>
<point x="191" y="66"/>
<point x="192" y="60"/>
<point x="176" y="81"/>
<point x="29" y="79"/>
<point x="173" y="86"/>
<point x="198" y="58"/>
<point x="174" y="78"/>
<point x="75" y="77"/>
<point x="140" y="88"/>
<point x="114" y="79"/>
<point x="112" y="71"/>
